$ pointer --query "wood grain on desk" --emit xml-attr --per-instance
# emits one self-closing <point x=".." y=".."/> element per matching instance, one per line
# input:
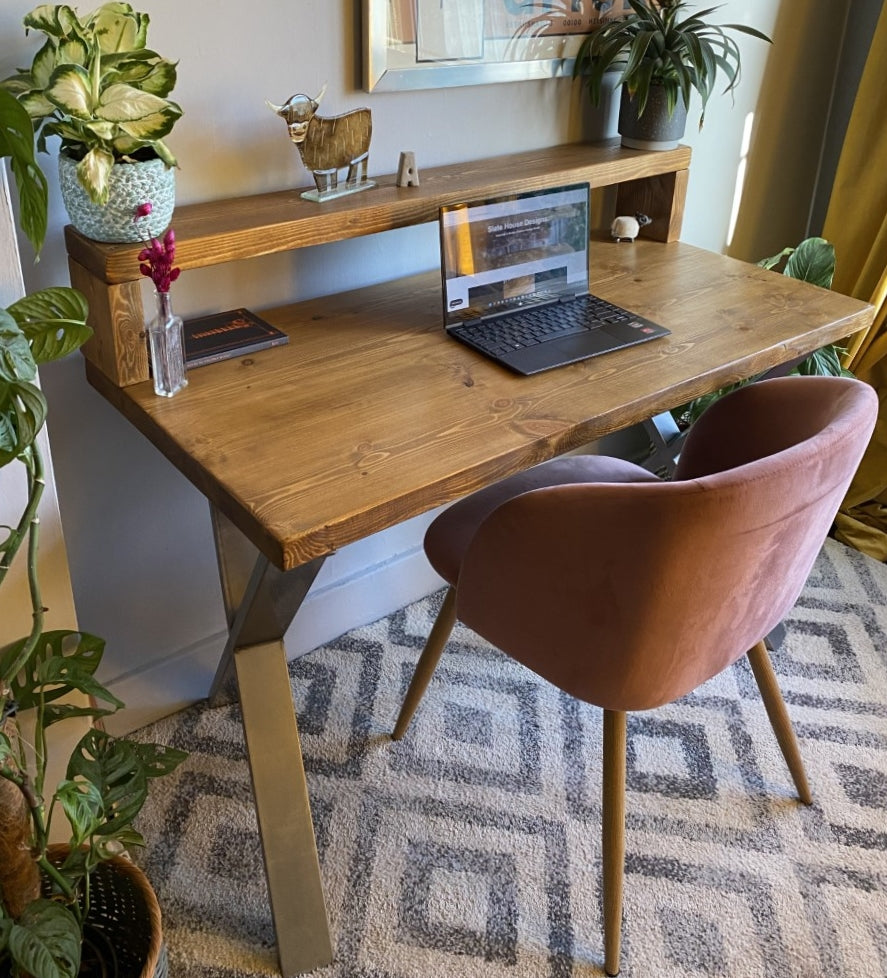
<point x="371" y="415"/>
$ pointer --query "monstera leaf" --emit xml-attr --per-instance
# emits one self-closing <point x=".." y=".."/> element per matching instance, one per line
<point x="53" y="322"/>
<point x="16" y="359"/>
<point x="22" y="415"/>
<point x="62" y="661"/>
<point x="44" y="941"/>
<point x="22" y="404"/>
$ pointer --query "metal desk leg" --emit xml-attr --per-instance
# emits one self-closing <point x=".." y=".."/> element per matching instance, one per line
<point x="666" y="440"/>
<point x="260" y="607"/>
<point x="283" y="810"/>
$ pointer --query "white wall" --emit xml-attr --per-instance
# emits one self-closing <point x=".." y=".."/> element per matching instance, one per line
<point x="139" y="536"/>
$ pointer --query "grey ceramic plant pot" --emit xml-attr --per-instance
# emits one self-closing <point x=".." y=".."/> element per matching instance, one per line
<point x="655" y="129"/>
<point x="132" y="184"/>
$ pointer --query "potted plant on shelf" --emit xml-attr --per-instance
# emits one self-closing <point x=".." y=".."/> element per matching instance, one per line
<point x="96" y="85"/>
<point x="663" y="52"/>
<point x="59" y="902"/>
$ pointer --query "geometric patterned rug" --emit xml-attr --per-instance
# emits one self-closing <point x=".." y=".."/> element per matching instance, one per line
<point x="471" y="849"/>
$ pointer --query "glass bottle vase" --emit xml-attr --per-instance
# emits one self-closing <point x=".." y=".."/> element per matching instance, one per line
<point x="167" y="346"/>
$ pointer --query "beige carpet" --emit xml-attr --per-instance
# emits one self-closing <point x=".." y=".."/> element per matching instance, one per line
<point x="472" y="847"/>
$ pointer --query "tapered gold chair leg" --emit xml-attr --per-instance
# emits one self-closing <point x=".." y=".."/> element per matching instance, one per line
<point x="613" y="833"/>
<point x="774" y="704"/>
<point x="427" y="663"/>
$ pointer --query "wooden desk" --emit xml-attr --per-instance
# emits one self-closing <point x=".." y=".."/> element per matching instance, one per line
<point x="370" y="415"/>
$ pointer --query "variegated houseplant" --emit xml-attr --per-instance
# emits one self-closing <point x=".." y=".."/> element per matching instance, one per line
<point x="96" y="85"/>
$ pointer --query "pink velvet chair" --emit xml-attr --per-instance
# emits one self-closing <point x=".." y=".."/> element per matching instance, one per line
<point x="629" y="592"/>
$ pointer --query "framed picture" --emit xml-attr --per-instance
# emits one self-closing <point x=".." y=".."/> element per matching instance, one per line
<point x="411" y="44"/>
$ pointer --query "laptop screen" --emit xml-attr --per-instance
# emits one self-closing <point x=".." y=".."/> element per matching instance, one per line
<point x="513" y="251"/>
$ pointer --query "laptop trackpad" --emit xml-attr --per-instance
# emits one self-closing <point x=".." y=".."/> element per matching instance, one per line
<point x="556" y="353"/>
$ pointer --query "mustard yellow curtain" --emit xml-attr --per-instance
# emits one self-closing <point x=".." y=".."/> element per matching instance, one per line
<point x="856" y="223"/>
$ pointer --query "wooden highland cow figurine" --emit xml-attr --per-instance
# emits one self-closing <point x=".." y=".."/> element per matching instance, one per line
<point x="328" y="145"/>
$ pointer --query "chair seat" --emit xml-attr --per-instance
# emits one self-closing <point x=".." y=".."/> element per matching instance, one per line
<point x="448" y="537"/>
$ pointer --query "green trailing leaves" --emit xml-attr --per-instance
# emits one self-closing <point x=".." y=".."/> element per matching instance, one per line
<point x="82" y="804"/>
<point x="106" y="787"/>
<point x="22" y="404"/>
<point x="53" y="322"/>
<point x="45" y="941"/>
<point x="17" y="143"/>
<point x="107" y="779"/>
<point x="17" y="362"/>
<point x="158" y="760"/>
<point x="62" y="661"/>
<point x="113" y="768"/>
<point x="22" y="415"/>
<point x="44" y="326"/>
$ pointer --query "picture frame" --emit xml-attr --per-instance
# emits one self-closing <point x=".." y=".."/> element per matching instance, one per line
<point x="420" y="44"/>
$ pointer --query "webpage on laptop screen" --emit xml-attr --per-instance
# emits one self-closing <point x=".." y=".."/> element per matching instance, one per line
<point x="506" y="252"/>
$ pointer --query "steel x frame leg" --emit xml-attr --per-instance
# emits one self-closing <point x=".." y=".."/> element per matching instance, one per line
<point x="261" y="601"/>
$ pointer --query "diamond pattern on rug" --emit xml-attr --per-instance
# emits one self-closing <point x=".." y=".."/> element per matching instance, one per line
<point x="459" y="900"/>
<point x="472" y="847"/>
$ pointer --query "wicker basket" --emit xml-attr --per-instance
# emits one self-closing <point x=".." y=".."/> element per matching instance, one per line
<point x="122" y="935"/>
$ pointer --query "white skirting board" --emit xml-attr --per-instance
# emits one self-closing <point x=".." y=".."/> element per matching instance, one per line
<point x="328" y="612"/>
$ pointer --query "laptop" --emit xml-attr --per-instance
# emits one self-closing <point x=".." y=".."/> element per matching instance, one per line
<point x="515" y="282"/>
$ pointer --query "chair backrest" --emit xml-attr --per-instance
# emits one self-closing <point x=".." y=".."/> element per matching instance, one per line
<point x="631" y="595"/>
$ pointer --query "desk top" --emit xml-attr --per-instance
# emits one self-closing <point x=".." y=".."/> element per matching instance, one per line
<point x="371" y="415"/>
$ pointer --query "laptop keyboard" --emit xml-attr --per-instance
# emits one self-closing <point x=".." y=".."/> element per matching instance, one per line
<point x="518" y="330"/>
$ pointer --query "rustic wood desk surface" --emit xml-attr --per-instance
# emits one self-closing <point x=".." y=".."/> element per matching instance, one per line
<point x="371" y="415"/>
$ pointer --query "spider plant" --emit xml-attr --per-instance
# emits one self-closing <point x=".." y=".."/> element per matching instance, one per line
<point x="662" y="43"/>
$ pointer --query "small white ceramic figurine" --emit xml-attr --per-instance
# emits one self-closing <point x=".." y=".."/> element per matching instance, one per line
<point x="627" y="228"/>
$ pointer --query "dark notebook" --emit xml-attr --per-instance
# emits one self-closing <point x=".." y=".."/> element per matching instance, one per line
<point x="515" y="282"/>
<point x="228" y="334"/>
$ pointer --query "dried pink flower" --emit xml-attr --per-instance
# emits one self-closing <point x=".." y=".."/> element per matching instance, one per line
<point x="143" y="210"/>
<point x="156" y="260"/>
